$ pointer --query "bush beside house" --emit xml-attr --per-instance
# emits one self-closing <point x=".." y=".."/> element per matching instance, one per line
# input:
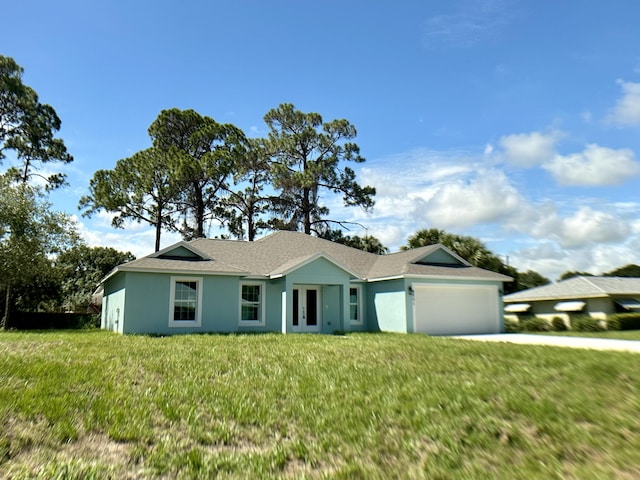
<point x="624" y="321"/>
<point x="47" y="321"/>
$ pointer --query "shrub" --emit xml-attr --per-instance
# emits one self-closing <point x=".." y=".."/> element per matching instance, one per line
<point x="511" y="326"/>
<point x="536" y="325"/>
<point x="613" y="323"/>
<point x="558" y="324"/>
<point x="626" y="321"/>
<point x="46" y="321"/>
<point x="587" y="324"/>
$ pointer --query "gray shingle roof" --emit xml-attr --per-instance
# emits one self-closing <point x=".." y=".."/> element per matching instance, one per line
<point x="579" y="287"/>
<point x="283" y="250"/>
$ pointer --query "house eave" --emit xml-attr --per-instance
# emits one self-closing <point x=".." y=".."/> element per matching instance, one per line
<point x="555" y="298"/>
<point x="439" y="277"/>
<point x="464" y="278"/>
<point x="175" y="271"/>
<point x="382" y="279"/>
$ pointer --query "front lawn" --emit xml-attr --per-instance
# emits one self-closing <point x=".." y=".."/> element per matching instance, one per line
<point x="98" y="405"/>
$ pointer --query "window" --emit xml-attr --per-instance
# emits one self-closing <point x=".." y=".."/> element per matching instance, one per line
<point x="252" y="303"/>
<point x="355" y="305"/>
<point x="186" y="302"/>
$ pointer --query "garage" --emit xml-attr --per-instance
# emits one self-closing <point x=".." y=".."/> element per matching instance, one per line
<point x="445" y="309"/>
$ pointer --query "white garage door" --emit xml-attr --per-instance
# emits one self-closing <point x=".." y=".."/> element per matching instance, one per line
<point x="455" y="309"/>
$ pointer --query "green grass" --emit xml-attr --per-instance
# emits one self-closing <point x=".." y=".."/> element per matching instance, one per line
<point x="78" y="405"/>
<point x="616" y="334"/>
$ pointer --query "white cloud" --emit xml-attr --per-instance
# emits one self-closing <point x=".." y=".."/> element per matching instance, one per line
<point x="536" y="220"/>
<point x="595" y="166"/>
<point x="584" y="227"/>
<point x="627" y="109"/>
<point x="529" y="149"/>
<point x="588" y="226"/>
<point x="487" y="198"/>
<point x="545" y="258"/>
<point x="388" y="234"/>
<point x="551" y="260"/>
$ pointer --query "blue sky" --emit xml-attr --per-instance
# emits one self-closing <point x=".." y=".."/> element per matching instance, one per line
<point x="513" y="121"/>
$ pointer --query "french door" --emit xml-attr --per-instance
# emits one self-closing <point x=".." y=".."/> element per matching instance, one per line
<point x="306" y="309"/>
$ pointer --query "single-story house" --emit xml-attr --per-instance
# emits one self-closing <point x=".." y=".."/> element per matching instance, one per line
<point x="596" y="297"/>
<point x="292" y="282"/>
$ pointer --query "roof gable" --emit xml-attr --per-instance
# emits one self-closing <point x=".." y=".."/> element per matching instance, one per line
<point x="180" y="251"/>
<point x="299" y="262"/>
<point x="441" y="256"/>
<point x="431" y="261"/>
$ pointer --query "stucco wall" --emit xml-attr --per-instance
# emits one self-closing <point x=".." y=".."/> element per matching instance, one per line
<point x="113" y="304"/>
<point x="148" y="304"/>
<point x="386" y="306"/>
<point x="331" y="308"/>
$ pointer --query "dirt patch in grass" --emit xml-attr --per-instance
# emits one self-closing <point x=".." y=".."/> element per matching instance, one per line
<point x="93" y="454"/>
<point x="97" y="447"/>
<point x="27" y="347"/>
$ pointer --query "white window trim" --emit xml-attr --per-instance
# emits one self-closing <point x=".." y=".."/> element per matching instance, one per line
<point x="172" y="296"/>
<point x="263" y="299"/>
<point x="360" y="310"/>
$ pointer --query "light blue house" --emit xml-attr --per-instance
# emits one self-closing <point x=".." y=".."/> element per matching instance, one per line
<point x="290" y="282"/>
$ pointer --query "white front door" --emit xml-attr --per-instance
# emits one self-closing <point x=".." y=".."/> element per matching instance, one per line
<point x="306" y="309"/>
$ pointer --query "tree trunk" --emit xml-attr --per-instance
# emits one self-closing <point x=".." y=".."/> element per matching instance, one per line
<point x="4" y="321"/>
<point x="199" y="212"/>
<point x="158" y="227"/>
<point x="306" y="211"/>
<point x="250" y="228"/>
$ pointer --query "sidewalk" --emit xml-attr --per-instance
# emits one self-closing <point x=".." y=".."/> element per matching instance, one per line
<point x="571" y="342"/>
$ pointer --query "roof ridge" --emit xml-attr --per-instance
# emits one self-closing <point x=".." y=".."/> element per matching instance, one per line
<point x="588" y="279"/>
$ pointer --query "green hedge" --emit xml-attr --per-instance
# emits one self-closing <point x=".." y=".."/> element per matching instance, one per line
<point x="511" y="326"/>
<point x="535" y="325"/>
<point x="625" y="321"/>
<point x="587" y="324"/>
<point x="613" y="323"/>
<point x="49" y="321"/>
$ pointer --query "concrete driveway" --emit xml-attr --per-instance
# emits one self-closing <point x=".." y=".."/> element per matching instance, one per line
<point x="572" y="342"/>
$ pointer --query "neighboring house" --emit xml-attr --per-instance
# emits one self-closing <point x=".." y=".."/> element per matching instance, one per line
<point x="593" y="296"/>
<point x="292" y="282"/>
